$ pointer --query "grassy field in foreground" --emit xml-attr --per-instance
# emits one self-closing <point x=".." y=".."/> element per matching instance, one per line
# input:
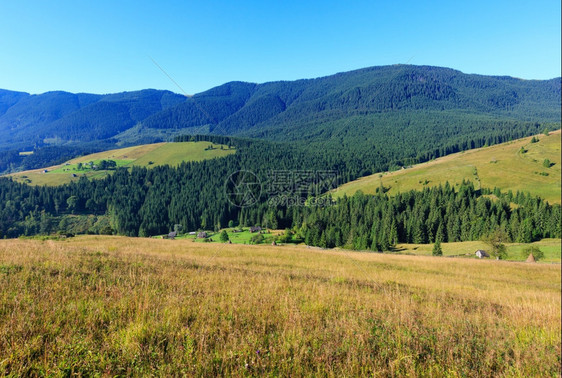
<point x="133" y="306"/>
<point x="504" y="166"/>
<point x="148" y="155"/>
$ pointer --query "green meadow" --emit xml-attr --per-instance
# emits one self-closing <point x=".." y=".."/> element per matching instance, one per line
<point x="516" y="166"/>
<point x="235" y="235"/>
<point x="550" y="247"/>
<point x="149" y="155"/>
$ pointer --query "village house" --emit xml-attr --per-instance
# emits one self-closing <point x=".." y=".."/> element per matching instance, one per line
<point x="482" y="254"/>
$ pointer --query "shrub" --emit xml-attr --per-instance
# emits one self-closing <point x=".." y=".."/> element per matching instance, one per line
<point x="257" y="239"/>
<point x="224" y="236"/>
<point x="537" y="253"/>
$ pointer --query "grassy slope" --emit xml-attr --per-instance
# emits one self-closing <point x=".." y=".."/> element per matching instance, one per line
<point x="550" y="248"/>
<point x="122" y="306"/>
<point x="158" y="154"/>
<point x="502" y="166"/>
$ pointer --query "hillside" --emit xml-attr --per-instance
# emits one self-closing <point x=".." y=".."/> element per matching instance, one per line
<point x="149" y="155"/>
<point x="516" y="166"/>
<point x="122" y="305"/>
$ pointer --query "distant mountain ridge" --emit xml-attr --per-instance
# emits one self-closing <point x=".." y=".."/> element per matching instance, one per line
<point x="28" y="120"/>
<point x="345" y="107"/>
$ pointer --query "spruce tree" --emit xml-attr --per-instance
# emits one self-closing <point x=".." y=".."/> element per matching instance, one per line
<point x="437" y="251"/>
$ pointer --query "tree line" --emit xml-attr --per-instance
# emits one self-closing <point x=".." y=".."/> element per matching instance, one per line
<point x="145" y="202"/>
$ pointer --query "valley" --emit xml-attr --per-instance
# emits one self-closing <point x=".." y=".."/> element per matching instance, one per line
<point x="280" y="189"/>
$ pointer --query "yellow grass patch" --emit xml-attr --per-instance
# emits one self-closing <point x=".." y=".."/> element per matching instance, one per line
<point x="133" y="306"/>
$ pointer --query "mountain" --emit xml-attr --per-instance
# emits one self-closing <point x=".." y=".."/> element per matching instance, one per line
<point x="61" y="117"/>
<point x="315" y="109"/>
<point x="425" y="112"/>
<point x="353" y="103"/>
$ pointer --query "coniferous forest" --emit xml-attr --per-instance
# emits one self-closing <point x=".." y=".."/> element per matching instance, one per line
<point x="147" y="202"/>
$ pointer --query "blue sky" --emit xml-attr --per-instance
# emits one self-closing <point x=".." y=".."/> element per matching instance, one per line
<point x="106" y="46"/>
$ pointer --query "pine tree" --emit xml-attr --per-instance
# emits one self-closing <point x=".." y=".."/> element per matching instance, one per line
<point x="322" y="241"/>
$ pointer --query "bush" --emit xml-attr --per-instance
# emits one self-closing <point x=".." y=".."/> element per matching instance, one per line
<point x="257" y="239"/>
<point x="537" y="253"/>
<point x="224" y="236"/>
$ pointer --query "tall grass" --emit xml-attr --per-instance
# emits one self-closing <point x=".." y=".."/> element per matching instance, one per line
<point x="120" y="306"/>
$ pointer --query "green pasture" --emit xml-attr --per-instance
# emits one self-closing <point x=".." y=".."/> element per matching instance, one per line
<point x="517" y="166"/>
<point x="148" y="155"/>
<point x="550" y="247"/>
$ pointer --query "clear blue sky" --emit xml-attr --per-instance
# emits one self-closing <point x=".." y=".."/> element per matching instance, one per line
<point x="104" y="46"/>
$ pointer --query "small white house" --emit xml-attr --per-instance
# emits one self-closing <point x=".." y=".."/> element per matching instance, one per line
<point x="481" y="254"/>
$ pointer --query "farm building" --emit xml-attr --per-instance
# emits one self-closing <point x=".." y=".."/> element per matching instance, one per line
<point x="481" y="254"/>
<point x="255" y="229"/>
<point x="172" y="235"/>
<point x="202" y="235"/>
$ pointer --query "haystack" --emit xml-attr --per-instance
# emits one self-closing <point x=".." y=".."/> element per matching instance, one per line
<point x="531" y="258"/>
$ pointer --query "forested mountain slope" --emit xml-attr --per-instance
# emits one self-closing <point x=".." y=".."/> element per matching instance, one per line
<point x="370" y="102"/>
<point x="398" y="114"/>
<point x="342" y="106"/>
<point x="27" y="121"/>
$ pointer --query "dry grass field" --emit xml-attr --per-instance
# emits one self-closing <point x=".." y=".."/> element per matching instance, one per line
<point x="504" y="166"/>
<point x="131" y="306"/>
